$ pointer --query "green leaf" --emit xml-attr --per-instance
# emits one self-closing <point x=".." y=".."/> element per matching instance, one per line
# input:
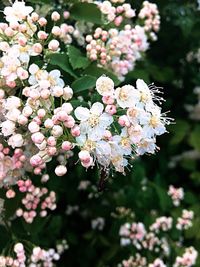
<point x="194" y="140"/>
<point x="180" y="129"/>
<point x="76" y="58"/>
<point x="83" y="83"/>
<point x="61" y="61"/>
<point x="138" y="74"/>
<point x="95" y="71"/>
<point x="86" y="11"/>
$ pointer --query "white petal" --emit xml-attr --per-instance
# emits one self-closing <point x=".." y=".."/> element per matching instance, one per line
<point x="96" y="133"/>
<point x="97" y="108"/>
<point x="81" y="139"/>
<point x="33" y="68"/>
<point x="141" y="85"/>
<point x="105" y="120"/>
<point x="55" y="73"/>
<point x="81" y="113"/>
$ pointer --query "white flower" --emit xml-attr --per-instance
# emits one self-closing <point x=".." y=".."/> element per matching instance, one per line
<point x="93" y="121"/>
<point x="157" y="263"/>
<point x="100" y="149"/>
<point x="146" y="146"/>
<point x="7" y="128"/>
<point x="16" y="140"/>
<point x="126" y="96"/>
<point x="44" y="79"/>
<point x="145" y="93"/>
<point x="17" y="12"/>
<point x="12" y="102"/>
<point x="105" y="86"/>
<point x="123" y="142"/>
<point x="13" y="114"/>
<point x="153" y="123"/>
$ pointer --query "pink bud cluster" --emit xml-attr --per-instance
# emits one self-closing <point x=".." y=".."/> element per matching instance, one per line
<point x="150" y="15"/>
<point x="185" y="221"/>
<point x="38" y="256"/>
<point x="135" y="261"/>
<point x="45" y="130"/>
<point x="36" y="200"/>
<point x="117" y="50"/>
<point x="11" y="165"/>
<point x="176" y="194"/>
<point x="188" y="259"/>
<point x="117" y="13"/>
<point x="162" y="224"/>
<point x="157" y="242"/>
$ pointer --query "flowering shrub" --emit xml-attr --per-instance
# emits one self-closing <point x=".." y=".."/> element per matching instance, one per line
<point x="156" y="241"/>
<point x="76" y="100"/>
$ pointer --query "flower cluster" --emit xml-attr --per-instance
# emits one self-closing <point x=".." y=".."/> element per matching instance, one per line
<point x="185" y="221"/>
<point x="116" y="14"/>
<point x="188" y="258"/>
<point x="45" y="130"/>
<point x="38" y="257"/>
<point x="157" y="242"/>
<point x="149" y="13"/>
<point x="39" y="122"/>
<point x="117" y="50"/>
<point x="109" y="138"/>
<point x="176" y="194"/>
<point x="11" y="165"/>
<point x="34" y="197"/>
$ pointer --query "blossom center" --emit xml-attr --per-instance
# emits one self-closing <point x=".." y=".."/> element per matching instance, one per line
<point x="89" y="145"/>
<point x="93" y="120"/>
<point x="154" y="121"/>
<point x="123" y="94"/>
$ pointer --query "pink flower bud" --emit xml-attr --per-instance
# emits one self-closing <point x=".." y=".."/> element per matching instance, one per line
<point x="22" y="41"/>
<point x="111" y="109"/>
<point x="48" y="123"/>
<point x="108" y="100"/>
<point x="22" y="74"/>
<point x="34" y="17"/>
<point x="37" y="171"/>
<point x="22" y="120"/>
<point x="87" y="164"/>
<point x="66" y="14"/>
<point x="70" y="122"/>
<point x="56" y="31"/>
<point x="124" y="121"/>
<point x="19" y="212"/>
<point x="57" y="131"/>
<point x="66" y="145"/>
<point x="51" y="151"/>
<point x="62" y="116"/>
<point x="45" y="93"/>
<point x="37" y="48"/>
<point x="10" y="193"/>
<point x="55" y="16"/>
<point x="51" y="141"/>
<point x="42" y="35"/>
<point x="9" y="32"/>
<point x="75" y="131"/>
<point x="118" y="20"/>
<point x="27" y="111"/>
<point x="42" y="22"/>
<point x="84" y="156"/>
<point x="41" y="113"/>
<point x="36" y="160"/>
<point x="60" y="170"/>
<point x="53" y="45"/>
<point x="11" y="84"/>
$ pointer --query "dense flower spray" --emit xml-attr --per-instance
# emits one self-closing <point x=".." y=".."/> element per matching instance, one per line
<point x="40" y="123"/>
